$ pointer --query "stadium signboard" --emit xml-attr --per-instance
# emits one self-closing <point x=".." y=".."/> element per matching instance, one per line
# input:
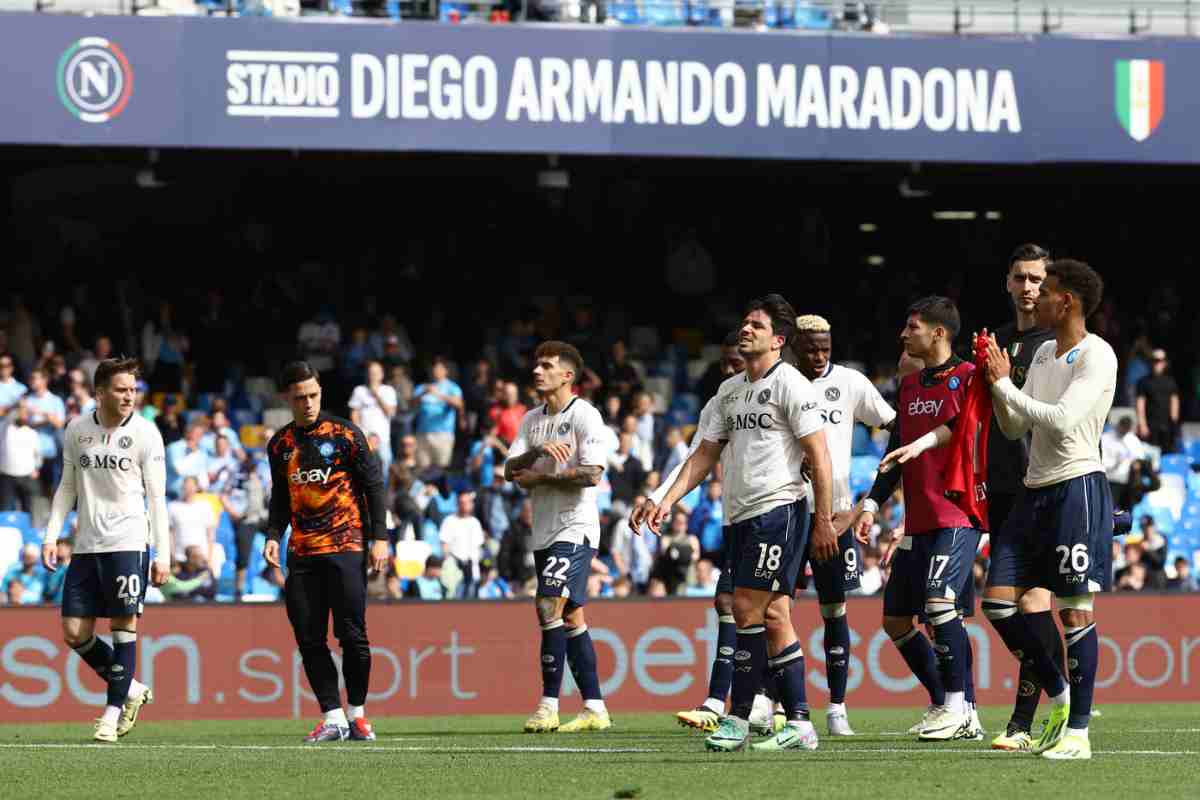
<point x="480" y="658"/>
<point x="255" y="83"/>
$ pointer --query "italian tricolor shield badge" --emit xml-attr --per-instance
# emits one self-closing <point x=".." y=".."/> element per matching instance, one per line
<point x="1141" y="96"/>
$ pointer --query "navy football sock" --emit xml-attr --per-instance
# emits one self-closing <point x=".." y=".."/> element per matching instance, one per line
<point x="1083" y="653"/>
<point x="752" y="654"/>
<point x="788" y="670"/>
<point x="554" y="656"/>
<point x="120" y="674"/>
<point x="917" y="653"/>
<point x="721" y="677"/>
<point x="581" y="655"/>
<point x="1029" y="687"/>
<point x="837" y="653"/>
<point x="969" y="669"/>
<point x="950" y="636"/>
<point x="1019" y="638"/>
<point x="97" y="654"/>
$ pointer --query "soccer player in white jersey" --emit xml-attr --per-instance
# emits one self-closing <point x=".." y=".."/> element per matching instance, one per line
<point x="769" y="419"/>
<point x="708" y="714"/>
<point x="558" y="457"/>
<point x="846" y="396"/>
<point x="114" y="465"/>
<point x="1059" y="535"/>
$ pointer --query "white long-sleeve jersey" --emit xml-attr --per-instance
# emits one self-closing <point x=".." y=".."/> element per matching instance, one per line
<point x="1065" y="402"/>
<point x="119" y="478"/>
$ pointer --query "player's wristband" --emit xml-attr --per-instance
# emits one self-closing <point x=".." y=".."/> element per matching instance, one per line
<point x="870" y="506"/>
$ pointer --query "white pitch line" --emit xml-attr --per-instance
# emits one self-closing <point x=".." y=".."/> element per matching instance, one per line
<point x="311" y="748"/>
<point x="527" y="749"/>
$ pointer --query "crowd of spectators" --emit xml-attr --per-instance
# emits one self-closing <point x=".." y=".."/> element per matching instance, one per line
<point x="441" y="429"/>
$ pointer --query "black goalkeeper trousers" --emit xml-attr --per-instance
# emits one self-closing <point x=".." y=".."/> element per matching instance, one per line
<point x="316" y="587"/>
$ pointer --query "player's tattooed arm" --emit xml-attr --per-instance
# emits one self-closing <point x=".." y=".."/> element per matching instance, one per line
<point x="521" y="463"/>
<point x="584" y="476"/>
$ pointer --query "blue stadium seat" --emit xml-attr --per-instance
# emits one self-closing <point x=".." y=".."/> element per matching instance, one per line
<point x="1163" y="517"/>
<point x="861" y="443"/>
<point x="227" y="578"/>
<point x="15" y="519"/>
<point x="1176" y="465"/>
<point x="226" y="536"/>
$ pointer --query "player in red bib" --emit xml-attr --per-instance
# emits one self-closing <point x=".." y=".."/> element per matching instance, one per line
<point x="932" y="565"/>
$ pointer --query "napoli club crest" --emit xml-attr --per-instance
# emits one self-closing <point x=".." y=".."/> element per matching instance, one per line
<point x="125" y="442"/>
<point x="326" y="450"/>
<point x="564" y="429"/>
<point x="764" y="396"/>
<point x="954" y="383"/>
<point x="832" y="394"/>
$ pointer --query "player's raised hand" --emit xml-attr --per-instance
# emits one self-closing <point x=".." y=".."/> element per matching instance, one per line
<point x="271" y="553"/>
<point x="901" y="455"/>
<point x="50" y="556"/>
<point x="159" y="573"/>
<point x="862" y="526"/>
<point x="998" y="363"/>
<point x="655" y="517"/>
<point x="379" y="556"/>
<point x="888" y="547"/>
<point x="641" y="512"/>
<point x="559" y="451"/>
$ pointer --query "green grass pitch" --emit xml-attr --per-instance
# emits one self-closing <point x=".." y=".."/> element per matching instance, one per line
<point x="1143" y="751"/>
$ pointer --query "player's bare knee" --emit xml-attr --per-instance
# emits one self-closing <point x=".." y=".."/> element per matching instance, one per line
<point x="747" y="611"/>
<point x="723" y="603"/>
<point x="1035" y="601"/>
<point x="77" y="631"/>
<point x="574" y="618"/>
<point x="1076" y="618"/>
<point x="778" y="614"/>
<point x="548" y="610"/>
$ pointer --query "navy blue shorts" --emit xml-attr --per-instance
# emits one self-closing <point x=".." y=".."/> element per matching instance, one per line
<point x="1059" y="538"/>
<point x="764" y="552"/>
<point x="106" y="584"/>
<point x="835" y="577"/>
<point x="725" y="581"/>
<point x="938" y="564"/>
<point x="562" y="571"/>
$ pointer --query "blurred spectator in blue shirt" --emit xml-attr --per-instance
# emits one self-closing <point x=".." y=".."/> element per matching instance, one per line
<point x="186" y="458"/>
<point x="219" y="427"/>
<point x="1184" y="580"/>
<point x="29" y="574"/>
<point x="428" y="585"/>
<point x="223" y="467"/>
<point x="706" y="520"/>
<point x="677" y="450"/>
<point x="485" y="453"/>
<point x="438" y="404"/>
<point x="47" y="416"/>
<point x="705" y="583"/>
<point x="492" y="586"/>
<point x="11" y="389"/>
<point x="55" y="580"/>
